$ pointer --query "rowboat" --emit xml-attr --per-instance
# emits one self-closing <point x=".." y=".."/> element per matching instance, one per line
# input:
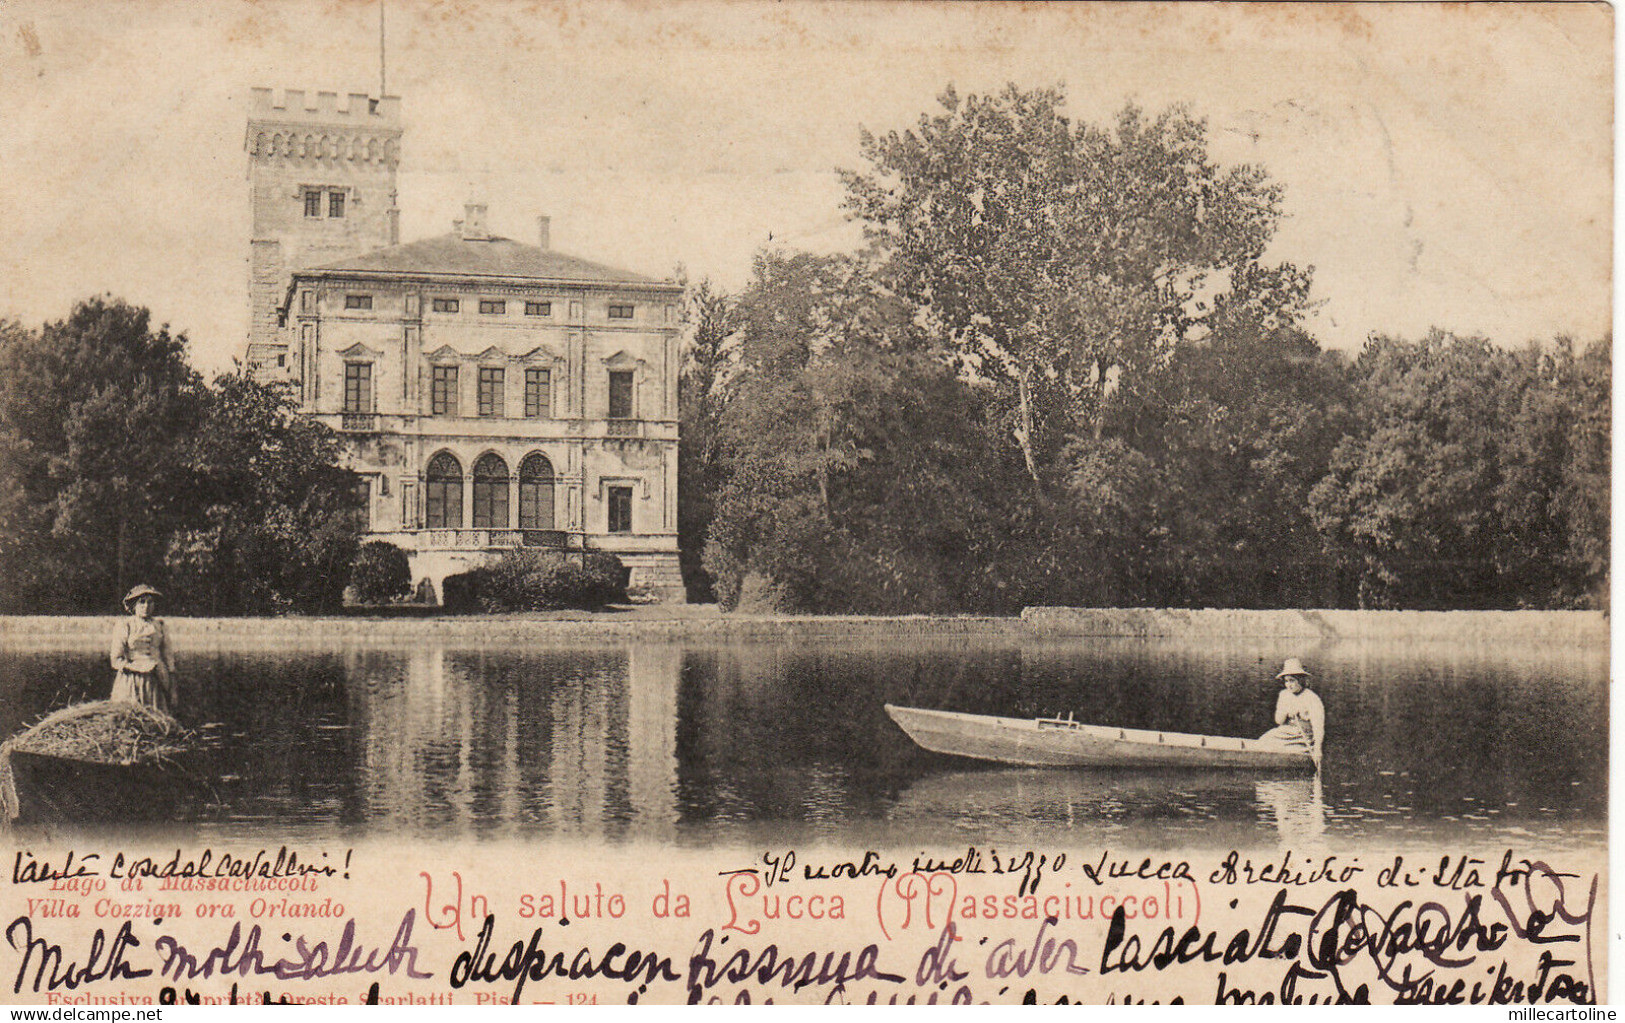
<point x="1063" y="742"/>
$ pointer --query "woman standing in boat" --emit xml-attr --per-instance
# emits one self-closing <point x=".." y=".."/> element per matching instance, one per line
<point x="141" y="655"/>
<point x="1300" y="717"/>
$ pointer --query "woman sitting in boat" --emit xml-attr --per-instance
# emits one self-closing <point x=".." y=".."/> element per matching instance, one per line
<point x="1300" y="717"/>
<point x="141" y="655"/>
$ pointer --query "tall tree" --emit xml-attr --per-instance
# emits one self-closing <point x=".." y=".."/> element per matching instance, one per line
<point x="1477" y="476"/>
<point x="1059" y="262"/>
<point x="1412" y="496"/>
<point x="117" y="464"/>
<point x="1553" y="496"/>
<point x="702" y="394"/>
<point x="846" y="447"/>
<point x="94" y="413"/>
<point x="1236" y="428"/>
<point x="275" y="524"/>
<point x="1584" y="494"/>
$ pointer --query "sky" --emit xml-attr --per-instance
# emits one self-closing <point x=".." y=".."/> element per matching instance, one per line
<point x="1444" y="166"/>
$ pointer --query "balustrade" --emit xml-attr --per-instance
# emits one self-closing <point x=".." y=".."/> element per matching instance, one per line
<point x="487" y="539"/>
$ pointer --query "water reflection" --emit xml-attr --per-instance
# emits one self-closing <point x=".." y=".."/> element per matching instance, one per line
<point x="665" y="741"/>
<point x="1298" y="808"/>
<point x="583" y="743"/>
<point x="1109" y="804"/>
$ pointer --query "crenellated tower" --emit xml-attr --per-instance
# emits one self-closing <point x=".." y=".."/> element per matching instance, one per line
<point x="322" y="188"/>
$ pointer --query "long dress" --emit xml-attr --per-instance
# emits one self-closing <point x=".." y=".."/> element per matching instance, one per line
<point x="1300" y="720"/>
<point x="145" y="666"/>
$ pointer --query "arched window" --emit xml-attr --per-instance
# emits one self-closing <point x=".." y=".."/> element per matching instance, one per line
<point x="536" y="492"/>
<point x="490" y="493"/>
<point x="443" y="493"/>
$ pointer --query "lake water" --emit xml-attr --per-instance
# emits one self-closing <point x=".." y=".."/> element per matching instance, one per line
<point x="695" y="743"/>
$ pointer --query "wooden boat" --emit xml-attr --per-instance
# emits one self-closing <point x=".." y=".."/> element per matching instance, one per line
<point x="100" y="761"/>
<point x="1063" y="742"/>
<point x="67" y="790"/>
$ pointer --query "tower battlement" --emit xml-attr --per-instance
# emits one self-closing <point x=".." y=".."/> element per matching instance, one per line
<point x="321" y="187"/>
<point x="359" y="109"/>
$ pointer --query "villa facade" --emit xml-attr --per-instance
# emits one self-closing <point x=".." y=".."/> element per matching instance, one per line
<point x="494" y="394"/>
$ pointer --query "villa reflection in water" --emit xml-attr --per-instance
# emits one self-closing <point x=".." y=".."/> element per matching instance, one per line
<point x="579" y="744"/>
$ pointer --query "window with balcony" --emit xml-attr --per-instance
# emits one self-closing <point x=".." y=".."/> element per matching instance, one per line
<point x="538" y="394"/>
<point x="620" y="394"/>
<point x="493" y="306"/>
<point x="443" y="493"/>
<point x="620" y="509"/>
<point x="358" y="301"/>
<point x="536" y="492"/>
<point x="447" y="305"/>
<point x="357" y="387"/>
<point x="443" y="391"/>
<point x="491" y="383"/>
<point x="491" y="492"/>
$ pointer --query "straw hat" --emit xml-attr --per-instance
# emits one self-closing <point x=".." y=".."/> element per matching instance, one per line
<point x="1293" y="666"/>
<point x="143" y="590"/>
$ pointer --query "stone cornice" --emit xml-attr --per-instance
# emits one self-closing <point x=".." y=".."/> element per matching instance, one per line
<point x="478" y="282"/>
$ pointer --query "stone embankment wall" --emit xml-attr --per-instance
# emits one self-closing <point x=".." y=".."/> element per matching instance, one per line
<point x="1577" y="628"/>
<point x="1569" y="627"/>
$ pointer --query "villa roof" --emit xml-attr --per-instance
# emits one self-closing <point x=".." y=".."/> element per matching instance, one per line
<point x="453" y="256"/>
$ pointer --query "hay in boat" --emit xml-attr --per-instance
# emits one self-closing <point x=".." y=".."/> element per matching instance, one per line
<point x="103" y="732"/>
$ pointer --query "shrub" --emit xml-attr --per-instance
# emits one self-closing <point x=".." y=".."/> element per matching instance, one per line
<point x="523" y="580"/>
<point x="457" y="592"/>
<point x="380" y="573"/>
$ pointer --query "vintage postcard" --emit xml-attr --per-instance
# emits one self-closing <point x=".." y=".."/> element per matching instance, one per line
<point x="808" y="502"/>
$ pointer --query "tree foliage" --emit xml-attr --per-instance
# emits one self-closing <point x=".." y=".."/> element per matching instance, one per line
<point x="275" y="524"/>
<point x="1064" y="371"/>
<point x="120" y="465"/>
<point x="702" y="393"/>
<point x="1233" y="434"/>
<point x="1462" y="484"/>
<point x="380" y="573"/>
<point x="1584" y="496"/>
<point x="96" y="413"/>
<point x="1062" y="262"/>
<point x="845" y="443"/>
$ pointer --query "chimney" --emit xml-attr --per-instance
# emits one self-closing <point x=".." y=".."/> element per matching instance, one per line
<point x="473" y="222"/>
<point x="544" y="232"/>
